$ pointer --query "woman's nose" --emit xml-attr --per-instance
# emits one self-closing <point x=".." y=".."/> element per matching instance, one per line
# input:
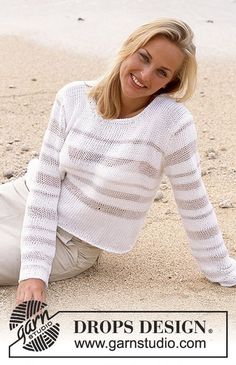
<point x="146" y="73"/>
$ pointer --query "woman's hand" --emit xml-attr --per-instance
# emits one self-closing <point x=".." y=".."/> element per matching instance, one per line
<point x="30" y="289"/>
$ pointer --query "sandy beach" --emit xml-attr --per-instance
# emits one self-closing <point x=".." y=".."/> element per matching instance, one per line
<point x="160" y="273"/>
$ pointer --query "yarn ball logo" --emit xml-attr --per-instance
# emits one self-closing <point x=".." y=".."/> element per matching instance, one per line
<point x="34" y="326"/>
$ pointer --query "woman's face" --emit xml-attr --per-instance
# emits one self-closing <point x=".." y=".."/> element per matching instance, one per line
<point x="149" y="69"/>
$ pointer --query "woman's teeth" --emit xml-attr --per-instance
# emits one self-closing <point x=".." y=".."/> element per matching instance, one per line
<point x="136" y="81"/>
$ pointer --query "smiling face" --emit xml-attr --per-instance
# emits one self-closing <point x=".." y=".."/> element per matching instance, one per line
<point x="148" y="70"/>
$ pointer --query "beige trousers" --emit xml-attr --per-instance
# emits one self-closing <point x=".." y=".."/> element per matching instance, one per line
<point x="72" y="257"/>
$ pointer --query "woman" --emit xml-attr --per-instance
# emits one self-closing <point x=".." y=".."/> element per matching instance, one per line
<point x="104" y="152"/>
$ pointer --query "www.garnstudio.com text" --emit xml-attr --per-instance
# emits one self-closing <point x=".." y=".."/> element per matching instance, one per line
<point x="162" y="343"/>
<point x="142" y="327"/>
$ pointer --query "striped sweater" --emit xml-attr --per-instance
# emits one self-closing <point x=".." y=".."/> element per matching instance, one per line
<point x="97" y="179"/>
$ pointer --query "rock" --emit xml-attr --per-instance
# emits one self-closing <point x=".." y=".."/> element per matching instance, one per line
<point x="209" y="21"/>
<point x="8" y="174"/>
<point x="164" y="200"/>
<point x="33" y="79"/>
<point x="211" y="138"/>
<point x="211" y="154"/>
<point x="226" y="203"/>
<point x="12" y="87"/>
<point x="9" y="148"/>
<point x="159" y="196"/>
<point x="16" y="140"/>
<point x="25" y="148"/>
<point x="80" y="19"/>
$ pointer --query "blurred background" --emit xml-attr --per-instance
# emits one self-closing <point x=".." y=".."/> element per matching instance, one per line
<point x="97" y="27"/>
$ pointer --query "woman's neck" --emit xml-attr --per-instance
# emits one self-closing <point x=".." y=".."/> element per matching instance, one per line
<point x="128" y="110"/>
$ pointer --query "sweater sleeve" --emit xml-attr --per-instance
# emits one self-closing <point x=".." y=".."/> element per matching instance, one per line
<point x="182" y="166"/>
<point x="38" y="238"/>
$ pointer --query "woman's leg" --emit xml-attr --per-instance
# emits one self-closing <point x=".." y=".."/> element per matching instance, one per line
<point x="13" y="197"/>
<point x="72" y="257"/>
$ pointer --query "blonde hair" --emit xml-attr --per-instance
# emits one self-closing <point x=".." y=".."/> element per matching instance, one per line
<point x="107" y="92"/>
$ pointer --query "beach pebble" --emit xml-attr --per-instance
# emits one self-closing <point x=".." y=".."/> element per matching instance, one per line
<point x="226" y="203"/>
<point x="211" y="138"/>
<point x="12" y="87"/>
<point x="159" y="196"/>
<point x="8" y="174"/>
<point x="16" y="140"/>
<point x="210" y="169"/>
<point x="211" y="154"/>
<point x="33" y="79"/>
<point x="25" y="148"/>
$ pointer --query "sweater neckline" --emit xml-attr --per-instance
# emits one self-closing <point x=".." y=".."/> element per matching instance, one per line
<point x="130" y="120"/>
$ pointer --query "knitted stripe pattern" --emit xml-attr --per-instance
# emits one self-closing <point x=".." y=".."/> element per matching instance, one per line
<point x="97" y="179"/>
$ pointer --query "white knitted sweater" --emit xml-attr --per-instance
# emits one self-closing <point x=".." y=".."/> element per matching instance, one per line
<point x="97" y="179"/>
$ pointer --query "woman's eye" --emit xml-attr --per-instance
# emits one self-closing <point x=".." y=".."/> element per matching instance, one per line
<point x="144" y="57"/>
<point x="162" y="73"/>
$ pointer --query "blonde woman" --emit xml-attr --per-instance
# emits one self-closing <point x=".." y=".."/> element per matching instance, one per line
<point x="103" y="155"/>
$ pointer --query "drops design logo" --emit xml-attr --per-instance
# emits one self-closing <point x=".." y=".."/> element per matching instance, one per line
<point x="34" y="326"/>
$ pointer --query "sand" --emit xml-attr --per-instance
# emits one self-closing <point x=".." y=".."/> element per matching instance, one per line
<point x="160" y="272"/>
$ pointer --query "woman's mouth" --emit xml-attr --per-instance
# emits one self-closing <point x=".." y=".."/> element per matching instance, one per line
<point x="136" y="82"/>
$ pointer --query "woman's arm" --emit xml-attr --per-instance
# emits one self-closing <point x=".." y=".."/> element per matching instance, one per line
<point x="182" y="166"/>
<point x="31" y="289"/>
<point x="38" y="241"/>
